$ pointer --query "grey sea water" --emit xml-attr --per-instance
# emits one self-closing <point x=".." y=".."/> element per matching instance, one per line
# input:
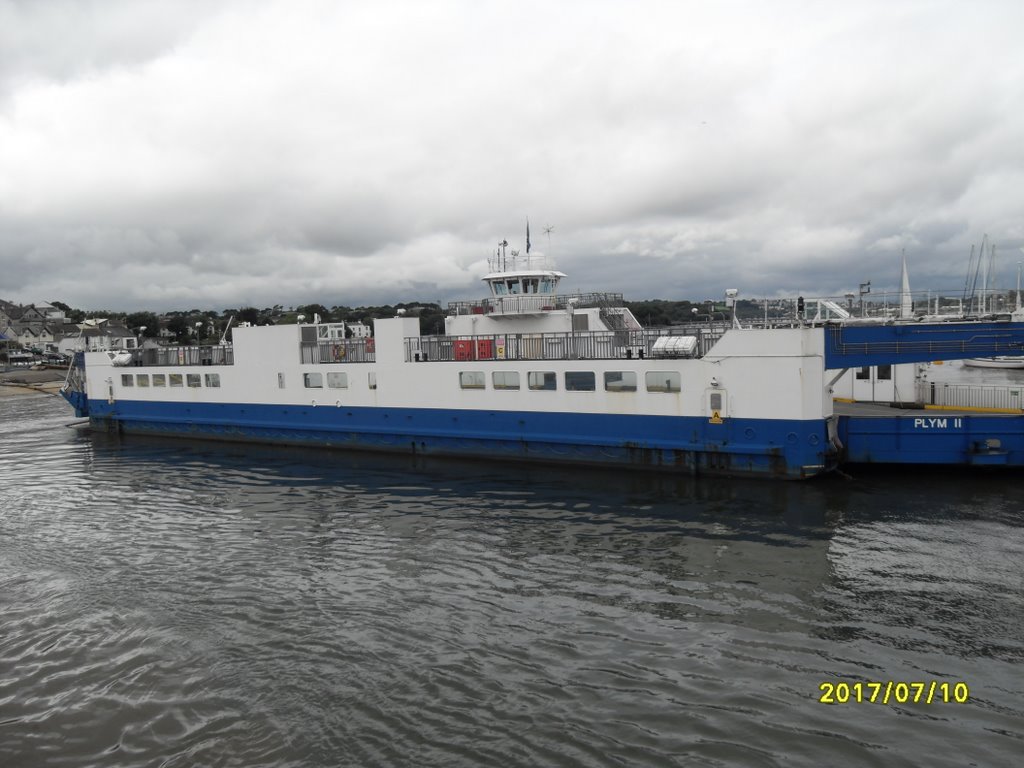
<point x="169" y="603"/>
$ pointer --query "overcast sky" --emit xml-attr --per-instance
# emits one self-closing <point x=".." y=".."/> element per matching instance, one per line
<point x="161" y="155"/>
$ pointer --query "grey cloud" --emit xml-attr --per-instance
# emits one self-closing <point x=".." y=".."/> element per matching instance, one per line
<point x="271" y="152"/>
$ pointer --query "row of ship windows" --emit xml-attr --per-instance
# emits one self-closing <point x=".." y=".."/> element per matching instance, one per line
<point x="573" y="381"/>
<point x="170" y="379"/>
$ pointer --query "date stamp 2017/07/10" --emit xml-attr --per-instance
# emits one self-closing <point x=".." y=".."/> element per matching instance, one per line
<point x="894" y="692"/>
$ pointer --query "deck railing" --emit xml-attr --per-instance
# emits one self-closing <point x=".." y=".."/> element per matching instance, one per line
<point x="338" y="351"/>
<point x="532" y="303"/>
<point x="581" y="345"/>
<point x="200" y="355"/>
<point x="1009" y="398"/>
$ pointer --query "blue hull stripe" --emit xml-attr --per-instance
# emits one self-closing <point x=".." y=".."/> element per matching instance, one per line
<point x="787" y="448"/>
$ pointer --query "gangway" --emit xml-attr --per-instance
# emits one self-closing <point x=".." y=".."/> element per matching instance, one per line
<point x="856" y="346"/>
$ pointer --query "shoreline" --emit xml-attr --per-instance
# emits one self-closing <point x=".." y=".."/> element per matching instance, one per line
<point x="10" y="389"/>
<point x="30" y="382"/>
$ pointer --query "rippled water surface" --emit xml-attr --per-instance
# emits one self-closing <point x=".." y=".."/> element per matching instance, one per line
<point x="169" y="603"/>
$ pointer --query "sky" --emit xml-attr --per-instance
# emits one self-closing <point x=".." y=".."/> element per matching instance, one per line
<point x="203" y="154"/>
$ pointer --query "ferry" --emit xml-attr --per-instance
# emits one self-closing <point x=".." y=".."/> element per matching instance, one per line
<point x="527" y="374"/>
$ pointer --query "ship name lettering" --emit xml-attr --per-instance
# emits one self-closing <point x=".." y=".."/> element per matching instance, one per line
<point x="933" y="423"/>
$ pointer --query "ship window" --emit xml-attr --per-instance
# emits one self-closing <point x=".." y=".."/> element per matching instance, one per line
<point x="213" y="379"/>
<point x="884" y="372"/>
<point x="863" y="374"/>
<point x="336" y="380"/>
<point x="313" y="380"/>
<point x="176" y="379"/>
<point x="545" y="285"/>
<point x="620" y="381"/>
<point x="663" y="381"/>
<point x="280" y="381"/>
<point x="579" y="381"/>
<point x="541" y="380"/>
<point x="471" y="379"/>
<point x="499" y="289"/>
<point x="159" y="380"/>
<point x="371" y="379"/>
<point x="715" y="401"/>
<point x="142" y="379"/>
<point x="127" y="380"/>
<point x="193" y="380"/>
<point x="505" y="379"/>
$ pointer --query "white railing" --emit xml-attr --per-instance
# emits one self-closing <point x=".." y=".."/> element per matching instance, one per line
<point x="1010" y="398"/>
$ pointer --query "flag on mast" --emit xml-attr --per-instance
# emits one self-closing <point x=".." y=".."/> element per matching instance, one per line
<point x="527" y="236"/>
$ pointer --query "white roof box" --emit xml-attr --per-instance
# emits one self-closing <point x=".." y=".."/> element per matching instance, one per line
<point x="674" y="346"/>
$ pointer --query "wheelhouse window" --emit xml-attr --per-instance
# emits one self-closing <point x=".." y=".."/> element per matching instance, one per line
<point x="663" y="381"/>
<point x="313" y="380"/>
<point x="336" y="380"/>
<point x="579" y="381"/>
<point x="539" y="380"/>
<point x="193" y="380"/>
<point x="213" y="379"/>
<point x="505" y="379"/>
<point x="471" y="379"/>
<point x="620" y="381"/>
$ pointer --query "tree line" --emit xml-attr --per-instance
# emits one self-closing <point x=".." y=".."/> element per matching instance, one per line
<point x="188" y="326"/>
<point x="192" y="325"/>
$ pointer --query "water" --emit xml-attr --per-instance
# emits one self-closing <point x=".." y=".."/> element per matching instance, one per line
<point x="168" y="603"/>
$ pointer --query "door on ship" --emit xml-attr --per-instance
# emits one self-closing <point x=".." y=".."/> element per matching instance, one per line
<point x="874" y="383"/>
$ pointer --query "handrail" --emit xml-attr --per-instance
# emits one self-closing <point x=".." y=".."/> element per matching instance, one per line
<point x="578" y="345"/>
<point x="172" y="356"/>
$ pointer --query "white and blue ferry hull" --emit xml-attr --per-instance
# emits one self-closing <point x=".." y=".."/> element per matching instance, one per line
<point x="752" y="447"/>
